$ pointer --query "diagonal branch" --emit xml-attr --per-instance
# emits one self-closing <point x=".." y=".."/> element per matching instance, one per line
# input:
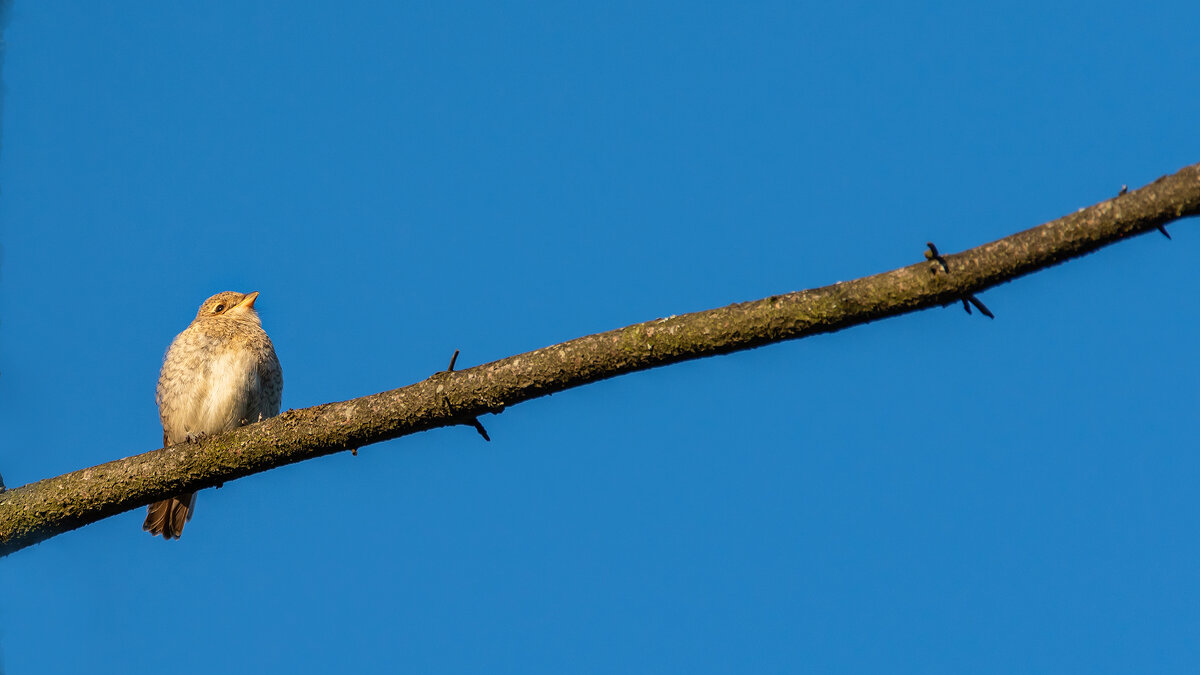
<point x="37" y="511"/>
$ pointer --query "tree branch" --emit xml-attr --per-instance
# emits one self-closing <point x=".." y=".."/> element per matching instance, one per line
<point x="37" y="511"/>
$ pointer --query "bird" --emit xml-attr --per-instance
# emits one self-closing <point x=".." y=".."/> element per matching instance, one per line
<point x="220" y="373"/>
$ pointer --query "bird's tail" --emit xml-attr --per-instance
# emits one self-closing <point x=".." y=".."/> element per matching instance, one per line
<point x="169" y="516"/>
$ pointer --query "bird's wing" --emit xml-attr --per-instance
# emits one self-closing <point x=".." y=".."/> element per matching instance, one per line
<point x="270" y="379"/>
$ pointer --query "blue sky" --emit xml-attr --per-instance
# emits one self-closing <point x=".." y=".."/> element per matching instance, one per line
<point x="933" y="493"/>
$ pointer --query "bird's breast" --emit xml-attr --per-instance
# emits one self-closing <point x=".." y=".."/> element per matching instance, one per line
<point x="207" y="386"/>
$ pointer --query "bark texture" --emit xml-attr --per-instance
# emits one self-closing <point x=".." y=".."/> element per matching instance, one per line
<point x="34" y="512"/>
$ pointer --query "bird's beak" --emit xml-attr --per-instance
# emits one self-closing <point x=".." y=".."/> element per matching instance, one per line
<point x="248" y="301"/>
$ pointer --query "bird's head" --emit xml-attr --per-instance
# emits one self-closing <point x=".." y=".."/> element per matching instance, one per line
<point x="230" y="305"/>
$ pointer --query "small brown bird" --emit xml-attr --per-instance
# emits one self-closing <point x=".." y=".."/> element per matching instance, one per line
<point x="220" y="373"/>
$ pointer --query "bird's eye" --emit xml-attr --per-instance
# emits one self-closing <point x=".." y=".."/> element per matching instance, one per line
<point x="218" y="309"/>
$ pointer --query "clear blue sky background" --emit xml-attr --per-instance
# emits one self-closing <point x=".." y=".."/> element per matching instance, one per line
<point x="933" y="493"/>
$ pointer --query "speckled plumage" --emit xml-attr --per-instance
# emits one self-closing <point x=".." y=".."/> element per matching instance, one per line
<point x="220" y="373"/>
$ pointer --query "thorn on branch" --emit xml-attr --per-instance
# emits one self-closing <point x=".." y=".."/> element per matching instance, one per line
<point x="474" y="421"/>
<point x="479" y="427"/>
<point x="932" y="254"/>
<point x="1163" y="229"/>
<point x="967" y="300"/>
<point x="978" y="305"/>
